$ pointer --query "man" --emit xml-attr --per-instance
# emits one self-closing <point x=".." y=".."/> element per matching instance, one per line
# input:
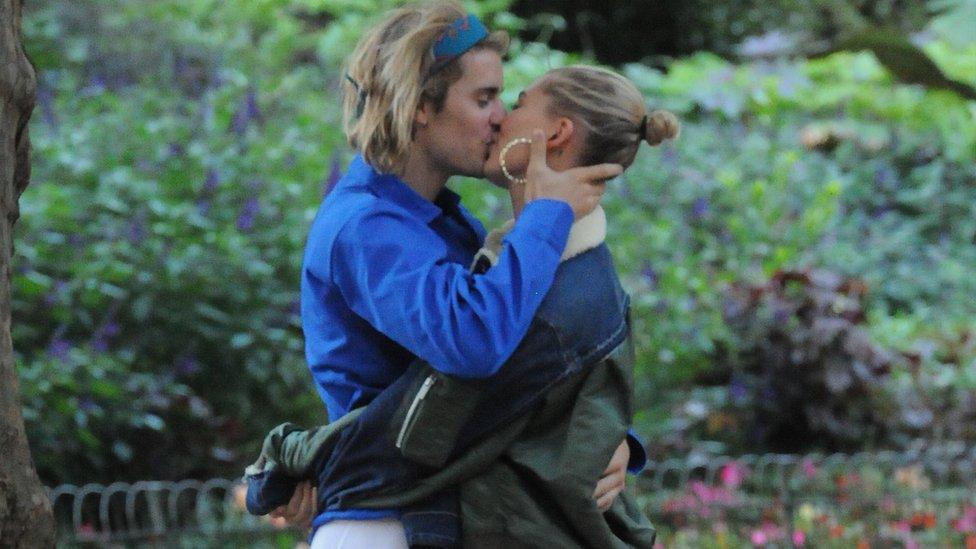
<point x="385" y="277"/>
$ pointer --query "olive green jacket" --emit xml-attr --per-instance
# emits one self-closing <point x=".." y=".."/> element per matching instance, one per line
<point x="529" y="484"/>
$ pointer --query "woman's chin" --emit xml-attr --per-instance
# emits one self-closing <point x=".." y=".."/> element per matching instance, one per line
<point x="495" y="176"/>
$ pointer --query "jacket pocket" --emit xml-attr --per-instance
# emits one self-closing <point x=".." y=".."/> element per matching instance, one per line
<point x="437" y="411"/>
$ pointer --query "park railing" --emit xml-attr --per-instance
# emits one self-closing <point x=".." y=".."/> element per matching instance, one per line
<point x="872" y="498"/>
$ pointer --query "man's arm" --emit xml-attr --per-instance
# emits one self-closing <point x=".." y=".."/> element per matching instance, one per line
<point x="395" y="273"/>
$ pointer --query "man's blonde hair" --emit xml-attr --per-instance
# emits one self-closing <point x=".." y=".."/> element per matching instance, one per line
<point x="611" y="110"/>
<point x="389" y="75"/>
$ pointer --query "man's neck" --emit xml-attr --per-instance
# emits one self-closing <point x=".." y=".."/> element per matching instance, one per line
<point x="421" y="176"/>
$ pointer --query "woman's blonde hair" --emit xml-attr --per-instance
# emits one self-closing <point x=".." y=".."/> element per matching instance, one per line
<point x="612" y="111"/>
<point x="390" y="73"/>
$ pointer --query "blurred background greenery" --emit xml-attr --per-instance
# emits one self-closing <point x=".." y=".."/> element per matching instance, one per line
<point x="800" y="261"/>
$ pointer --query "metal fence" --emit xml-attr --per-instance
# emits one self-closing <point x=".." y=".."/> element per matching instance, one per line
<point x="675" y="493"/>
<point x="158" y="513"/>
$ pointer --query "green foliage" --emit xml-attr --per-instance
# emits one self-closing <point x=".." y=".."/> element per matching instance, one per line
<point x="160" y="238"/>
<point x="803" y="372"/>
<point x="181" y="148"/>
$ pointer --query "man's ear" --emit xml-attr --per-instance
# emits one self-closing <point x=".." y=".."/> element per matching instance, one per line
<point x="559" y="138"/>
<point x="422" y="115"/>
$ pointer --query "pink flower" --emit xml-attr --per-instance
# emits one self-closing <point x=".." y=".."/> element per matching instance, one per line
<point x="766" y="533"/>
<point x="888" y="504"/>
<point x="809" y="469"/>
<point x="732" y="474"/>
<point x="967" y="522"/>
<point x="901" y="526"/>
<point x="709" y="495"/>
<point x="799" y="538"/>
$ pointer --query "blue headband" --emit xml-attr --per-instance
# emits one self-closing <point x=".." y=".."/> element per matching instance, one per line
<point x="463" y="33"/>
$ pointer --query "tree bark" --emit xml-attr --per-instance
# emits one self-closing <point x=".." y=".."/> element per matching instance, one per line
<point x="25" y="511"/>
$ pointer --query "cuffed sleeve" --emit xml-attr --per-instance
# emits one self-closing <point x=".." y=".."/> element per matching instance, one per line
<point x="638" y="455"/>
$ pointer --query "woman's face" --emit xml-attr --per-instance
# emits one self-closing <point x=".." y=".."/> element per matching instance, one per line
<point x="529" y="112"/>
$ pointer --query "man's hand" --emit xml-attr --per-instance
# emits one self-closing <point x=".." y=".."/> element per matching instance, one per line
<point x="301" y="508"/>
<point x="614" y="478"/>
<point x="581" y="188"/>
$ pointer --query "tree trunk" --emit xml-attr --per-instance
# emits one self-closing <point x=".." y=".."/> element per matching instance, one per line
<point x="25" y="511"/>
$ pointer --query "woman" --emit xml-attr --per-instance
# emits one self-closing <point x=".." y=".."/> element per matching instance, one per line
<point x="536" y="431"/>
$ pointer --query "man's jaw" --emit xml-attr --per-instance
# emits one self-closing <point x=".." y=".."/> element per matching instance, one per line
<point x="488" y="146"/>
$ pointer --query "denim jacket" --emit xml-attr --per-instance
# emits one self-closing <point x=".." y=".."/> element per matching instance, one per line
<point x="513" y="457"/>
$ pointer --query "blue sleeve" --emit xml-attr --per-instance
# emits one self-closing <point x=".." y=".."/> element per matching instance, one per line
<point x="394" y="272"/>
<point x="638" y="455"/>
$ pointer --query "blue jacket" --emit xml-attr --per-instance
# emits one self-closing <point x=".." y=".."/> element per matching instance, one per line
<point x="385" y="281"/>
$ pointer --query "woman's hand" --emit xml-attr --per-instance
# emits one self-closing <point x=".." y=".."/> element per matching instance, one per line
<point x="614" y="478"/>
<point x="301" y="508"/>
<point x="516" y="191"/>
<point x="581" y="188"/>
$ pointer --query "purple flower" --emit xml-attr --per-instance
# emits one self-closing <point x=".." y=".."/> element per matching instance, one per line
<point x="335" y="174"/>
<point x="53" y="297"/>
<point x="246" y="111"/>
<point x="180" y="66"/>
<point x="238" y="124"/>
<point x="96" y="85"/>
<point x="649" y="274"/>
<point x="885" y="177"/>
<point x="781" y="316"/>
<point x="245" y="220"/>
<point x="137" y="232"/>
<point x="669" y="155"/>
<point x="791" y="81"/>
<point x="105" y="332"/>
<point x="87" y="404"/>
<point x="881" y="211"/>
<point x="212" y="181"/>
<point x="203" y="207"/>
<point x="176" y="150"/>
<point x="45" y="99"/>
<point x="771" y="44"/>
<point x="251" y="102"/>
<point x="700" y="208"/>
<point x="59" y="349"/>
<point x="737" y="390"/>
<point x="187" y="365"/>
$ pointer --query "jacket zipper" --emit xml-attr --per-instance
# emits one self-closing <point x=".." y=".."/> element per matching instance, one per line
<point x="407" y="421"/>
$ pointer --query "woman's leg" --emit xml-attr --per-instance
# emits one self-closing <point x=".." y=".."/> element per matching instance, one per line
<point x="360" y="534"/>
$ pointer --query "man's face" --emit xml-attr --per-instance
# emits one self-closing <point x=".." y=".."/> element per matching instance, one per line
<point x="459" y="137"/>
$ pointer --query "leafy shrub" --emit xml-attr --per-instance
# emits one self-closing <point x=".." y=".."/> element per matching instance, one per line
<point x="804" y="369"/>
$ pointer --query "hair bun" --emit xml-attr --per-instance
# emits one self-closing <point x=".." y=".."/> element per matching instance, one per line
<point x="661" y="125"/>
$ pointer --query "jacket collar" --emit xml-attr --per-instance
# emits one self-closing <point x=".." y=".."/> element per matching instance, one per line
<point x="586" y="233"/>
<point x="392" y="188"/>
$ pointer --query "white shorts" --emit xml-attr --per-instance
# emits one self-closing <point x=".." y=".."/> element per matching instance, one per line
<point x="360" y="534"/>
